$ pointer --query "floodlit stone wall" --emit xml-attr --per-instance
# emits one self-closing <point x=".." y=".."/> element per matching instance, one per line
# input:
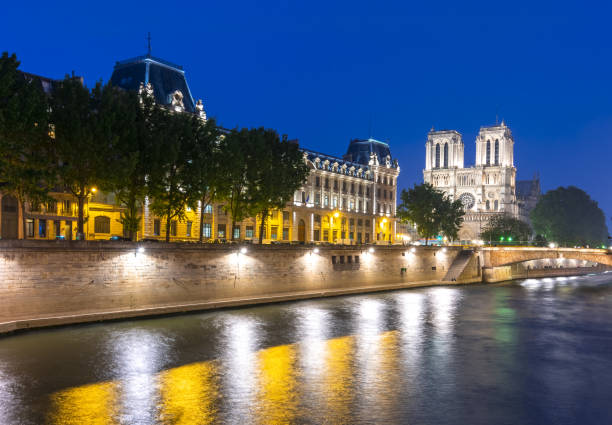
<point x="45" y="283"/>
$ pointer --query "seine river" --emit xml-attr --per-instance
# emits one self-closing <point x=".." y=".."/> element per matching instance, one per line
<point x="526" y="352"/>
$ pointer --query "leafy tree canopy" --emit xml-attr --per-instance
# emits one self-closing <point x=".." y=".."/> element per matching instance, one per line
<point x="568" y="215"/>
<point x="432" y="211"/>
<point x="509" y="228"/>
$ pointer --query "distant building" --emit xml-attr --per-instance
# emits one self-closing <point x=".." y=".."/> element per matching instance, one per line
<point x="486" y="189"/>
<point x="528" y="193"/>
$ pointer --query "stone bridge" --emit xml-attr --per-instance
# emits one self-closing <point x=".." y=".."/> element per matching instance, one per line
<point x="504" y="256"/>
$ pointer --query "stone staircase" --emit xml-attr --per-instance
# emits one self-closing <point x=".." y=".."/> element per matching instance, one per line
<point x="458" y="265"/>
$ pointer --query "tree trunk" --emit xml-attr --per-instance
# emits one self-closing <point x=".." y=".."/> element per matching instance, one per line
<point x="23" y="218"/>
<point x="202" y="220"/>
<point x="81" y="216"/>
<point x="262" y="226"/>
<point x="426" y="240"/>
<point x="232" y="228"/>
<point x="168" y="220"/>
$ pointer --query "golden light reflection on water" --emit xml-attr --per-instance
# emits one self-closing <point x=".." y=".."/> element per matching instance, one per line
<point x="337" y="383"/>
<point x="89" y="404"/>
<point x="192" y="394"/>
<point x="277" y="397"/>
<point x="189" y="394"/>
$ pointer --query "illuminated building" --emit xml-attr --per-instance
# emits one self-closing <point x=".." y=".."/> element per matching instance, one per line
<point x="349" y="199"/>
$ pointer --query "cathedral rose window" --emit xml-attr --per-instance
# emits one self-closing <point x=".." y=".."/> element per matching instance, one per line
<point x="468" y="200"/>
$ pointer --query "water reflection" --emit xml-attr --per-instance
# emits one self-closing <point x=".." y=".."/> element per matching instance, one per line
<point x="438" y="355"/>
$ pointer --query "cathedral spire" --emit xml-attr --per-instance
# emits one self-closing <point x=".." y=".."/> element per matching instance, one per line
<point x="149" y="44"/>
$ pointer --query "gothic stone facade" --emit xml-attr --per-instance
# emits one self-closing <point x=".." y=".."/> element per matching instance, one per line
<point x="486" y="189"/>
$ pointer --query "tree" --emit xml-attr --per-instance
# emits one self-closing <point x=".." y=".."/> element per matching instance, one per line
<point x="281" y="170"/>
<point x="205" y="168"/>
<point x="431" y="210"/>
<point x="129" y="114"/>
<point x="169" y="182"/>
<point x="506" y="227"/>
<point x="83" y="139"/>
<point x="25" y="139"/>
<point x="240" y="151"/>
<point x="568" y="215"/>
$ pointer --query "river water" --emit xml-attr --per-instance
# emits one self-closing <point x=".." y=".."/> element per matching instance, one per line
<point x="526" y="352"/>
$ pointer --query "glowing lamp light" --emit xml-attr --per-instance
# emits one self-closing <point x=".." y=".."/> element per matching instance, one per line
<point x="141" y="250"/>
<point x="413" y="250"/>
<point x="336" y="214"/>
<point x="316" y="250"/>
<point x="94" y="190"/>
<point x="443" y="250"/>
<point x="371" y="250"/>
<point x="243" y="250"/>
<point x="552" y="245"/>
<point x="509" y="238"/>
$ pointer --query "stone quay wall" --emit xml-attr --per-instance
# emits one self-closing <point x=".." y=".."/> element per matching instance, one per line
<point x="44" y="283"/>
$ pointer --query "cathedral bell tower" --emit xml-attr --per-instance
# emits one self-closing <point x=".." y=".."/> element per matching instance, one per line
<point x="444" y="149"/>
<point x="495" y="147"/>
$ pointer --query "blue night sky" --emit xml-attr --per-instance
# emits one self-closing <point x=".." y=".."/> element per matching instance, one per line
<point x="326" y="72"/>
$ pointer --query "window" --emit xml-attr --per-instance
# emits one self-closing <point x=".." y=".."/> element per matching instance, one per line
<point x="344" y="187"/>
<point x="303" y="197"/>
<point x="351" y="235"/>
<point x="357" y="257"/>
<point x="342" y="259"/>
<point x="220" y="210"/>
<point x="189" y="225"/>
<point x="368" y="192"/>
<point x="102" y="224"/>
<point x="274" y="232"/>
<point x="360" y="190"/>
<point x="351" y="205"/>
<point x="42" y="228"/>
<point x="208" y="209"/>
<point x="221" y="231"/>
<point x="285" y="215"/>
<point x="437" y="155"/>
<point x="317" y="234"/>
<point x="358" y="240"/>
<point x="30" y="228"/>
<point x="58" y="228"/>
<point x="207" y="230"/>
<point x="367" y="223"/>
<point x="335" y="235"/>
<point x="317" y="199"/>
<point x="326" y="183"/>
<point x="335" y="202"/>
<point x="446" y="155"/>
<point x="173" y="228"/>
<point x="367" y="238"/>
<point x="249" y="232"/>
<point x="488" y="153"/>
<point x="351" y="222"/>
<point x="326" y="235"/>
<point x="496" y="153"/>
<point x="495" y="205"/>
<point x="52" y="207"/>
<point x="488" y="205"/>
<point x="378" y="193"/>
<point x="317" y="219"/>
<point x="335" y="184"/>
<point x="236" y="232"/>
<point x="285" y="233"/>
<point x="349" y="259"/>
<point x="66" y="208"/>
<point x="358" y="205"/>
<point x="352" y="188"/>
<point x="333" y="259"/>
<point x="326" y="201"/>
<point x="317" y="181"/>
<point x="156" y="227"/>
<point x="343" y="205"/>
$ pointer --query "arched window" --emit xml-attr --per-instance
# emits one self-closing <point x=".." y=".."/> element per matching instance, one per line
<point x="488" y="205"/>
<point x="102" y="224"/>
<point x="488" y="158"/>
<point x="438" y="155"/>
<point x="496" y="152"/>
<point x="495" y="205"/>
<point x="446" y="155"/>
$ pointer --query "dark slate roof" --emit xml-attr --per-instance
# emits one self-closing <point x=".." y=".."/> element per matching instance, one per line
<point x="359" y="151"/>
<point x="164" y="76"/>
<point x="312" y="155"/>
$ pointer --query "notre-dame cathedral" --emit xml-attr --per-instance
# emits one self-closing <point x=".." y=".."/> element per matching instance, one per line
<point x="486" y="189"/>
